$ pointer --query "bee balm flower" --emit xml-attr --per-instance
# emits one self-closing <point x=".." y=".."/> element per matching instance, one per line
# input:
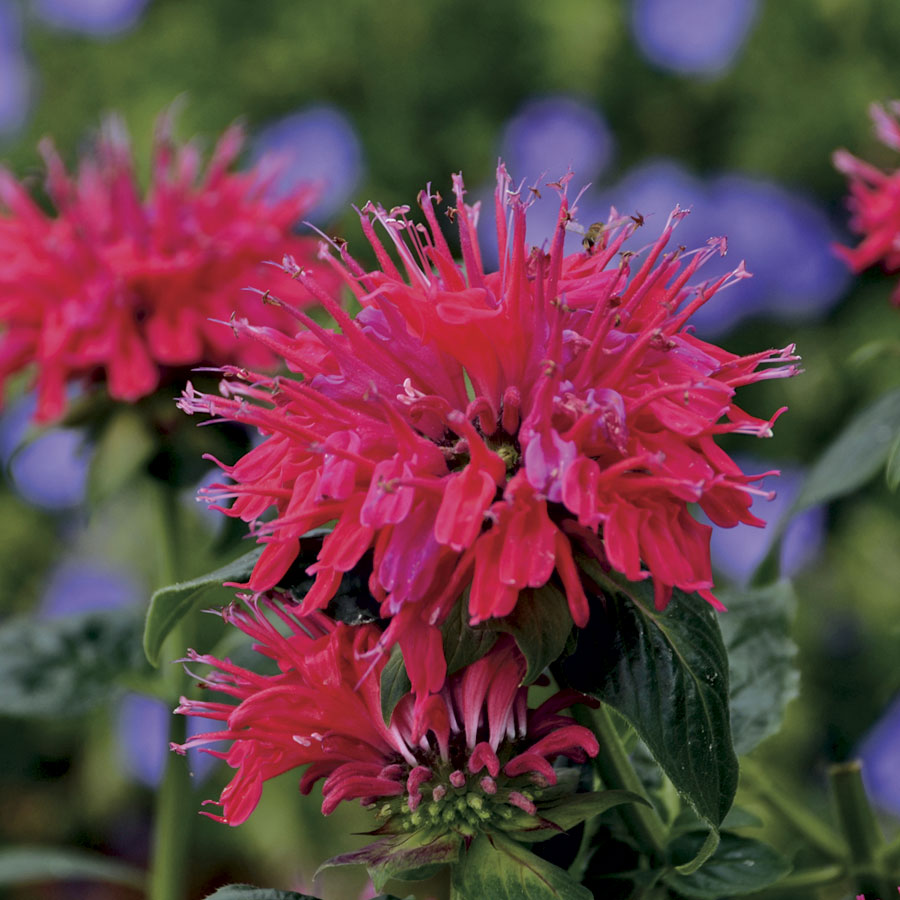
<point x="874" y="201"/>
<point x="470" y="758"/>
<point x="122" y="287"/>
<point x="478" y="430"/>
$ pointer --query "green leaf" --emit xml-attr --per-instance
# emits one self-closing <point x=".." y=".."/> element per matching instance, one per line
<point x="64" y="667"/>
<point x="395" y="684"/>
<point x="739" y="866"/>
<point x="540" y="624"/>
<point x="857" y="454"/>
<point x="31" y="864"/>
<point x="572" y="810"/>
<point x="463" y="643"/>
<point x="892" y="471"/>
<point x="169" y="605"/>
<point x="762" y="675"/>
<point x="497" y="868"/>
<point x="249" y="892"/>
<point x="666" y="673"/>
<point x="409" y="857"/>
<point x="704" y="852"/>
<point x="124" y="447"/>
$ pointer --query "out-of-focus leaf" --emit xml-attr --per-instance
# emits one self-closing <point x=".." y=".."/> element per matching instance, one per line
<point x="170" y="604"/>
<point x="33" y="864"/>
<point x="501" y="869"/>
<point x="857" y="454"/>
<point x="249" y="892"/>
<point x="62" y="667"/>
<point x="762" y="675"/>
<point x="739" y="866"/>
<point x="892" y="471"/>
<point x="124" y="446"/>
<point x="666" y="673"/>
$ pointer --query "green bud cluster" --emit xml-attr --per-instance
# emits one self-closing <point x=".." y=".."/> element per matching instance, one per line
<point x="466" y="809"/>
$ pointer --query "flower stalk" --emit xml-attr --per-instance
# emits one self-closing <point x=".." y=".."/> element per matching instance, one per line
<point x="617" y="773"/>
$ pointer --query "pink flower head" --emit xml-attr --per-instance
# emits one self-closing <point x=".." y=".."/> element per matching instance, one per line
<point x="874" y="201"/>
<point x="463" y="759"/>
<point x="123" y="287"/>
<point x="478" y="430"/>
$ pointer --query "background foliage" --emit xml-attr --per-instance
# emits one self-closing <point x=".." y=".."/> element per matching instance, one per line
<point x="429" y="89"/>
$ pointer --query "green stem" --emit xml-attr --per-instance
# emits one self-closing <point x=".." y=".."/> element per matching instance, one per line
<point x="579" y="866"/>
<point x="171" y="826"/>
<point x="617" y="773"/>
<point x="793" y="811"/>
<point x="806" y="880"/>
<point x="859" y="827"/>
<point x="174" y="813"/>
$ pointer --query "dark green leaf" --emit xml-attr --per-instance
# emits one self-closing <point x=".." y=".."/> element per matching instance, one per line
<point x="395" y="684"/>
<point x="249" y="892"/>
<point x="497" y="868"/>
<point x="540" y="624"/>
<point x="892" y="472"/>
<point x="572" y="810"/>
<point x="463" y="643"/>
<point x="169" y="605"/>
<point x="124" y="446"/>
<point x="666" y="673"/>
<point x="703" y="853"/>
<point x="61" y="667"/>
<point x="33" y="864"/>
<point x="739" y="866"/>
<point x="762" y="675"/>
<point x="409" y="857"/>
<point x="857" y="454"/>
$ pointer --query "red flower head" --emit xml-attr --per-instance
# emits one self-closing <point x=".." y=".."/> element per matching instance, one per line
<point x="477" y="430"/>
<point x="476" y="739"/>
<point x="123" y="286"/>
<point x="874" y="201"/>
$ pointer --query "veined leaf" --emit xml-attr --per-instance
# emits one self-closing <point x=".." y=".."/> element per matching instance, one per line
<point x="762" y="675"/>
<point x="666" y="673"/>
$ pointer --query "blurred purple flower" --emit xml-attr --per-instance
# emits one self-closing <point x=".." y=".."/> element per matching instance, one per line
<point x="15" y="75"/>
<point x="549" y="135"/>
<point x="142" y="731"/>
<point x="878" y="752"/>
<point x="737" y="552"/>
<point x="784" y="238"/>
<point x="80" y="586"/>
<point x="692" y="37"/>
<point x="320" y="145"/>
<point x="96" y="17"/>
<point x="50" y="471"/>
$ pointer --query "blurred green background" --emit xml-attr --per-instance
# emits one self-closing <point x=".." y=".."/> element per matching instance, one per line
<point x="430" y="88"/>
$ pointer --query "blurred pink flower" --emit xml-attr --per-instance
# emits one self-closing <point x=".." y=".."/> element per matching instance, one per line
<point x="874" y="201"/>
<point x="120" y="287"/>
